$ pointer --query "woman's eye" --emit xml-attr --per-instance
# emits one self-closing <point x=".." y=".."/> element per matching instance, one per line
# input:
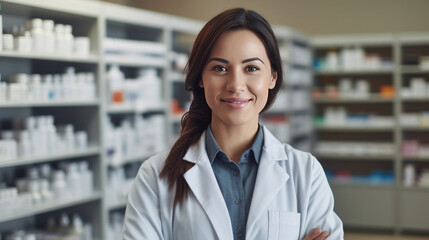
<point x="252" y="68"/>
<point x="219" y="68"/>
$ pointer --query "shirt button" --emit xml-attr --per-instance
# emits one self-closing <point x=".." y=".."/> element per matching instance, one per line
<point x="235" y="173"/>
<point x="239" y="235"/>
<point x="238" y="202"/>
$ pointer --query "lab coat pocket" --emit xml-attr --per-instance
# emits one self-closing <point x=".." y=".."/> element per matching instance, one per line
<point x="283" y="225"/>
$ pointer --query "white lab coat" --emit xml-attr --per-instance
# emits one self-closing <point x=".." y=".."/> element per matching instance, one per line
<point x="291" y="197"/>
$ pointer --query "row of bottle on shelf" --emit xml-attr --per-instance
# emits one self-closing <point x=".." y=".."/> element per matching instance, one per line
<point x="419" y="88"/>
<point x="144" y="91"/>
<point x="376" y="177"/>
<point x="115" y="226"/>
<point x="352" y="58"/>
<point x="70" y="86"/>
<point x="347" y="89"/>
<point x="354" y="148"/>
<point x="62" y="228"/>
<point x="119" y="183"/>
<point x="296" y="54"/>
<point x="44" y="185"/>
<point x="415" y="148"/>
<point x="411" y="178"/>
<point x="339" y="117"/>
<point x="135" y="50"/>
<point x="420" y="119"/>
<point x="295" y="100"/>
<point x="43" y="36"/>
<point x="297" y="76"/>
<point x="284" y="128"/>
<point x="135" y="137"/>
<point x="38" y="136"/>
<point x="410" y="148"/>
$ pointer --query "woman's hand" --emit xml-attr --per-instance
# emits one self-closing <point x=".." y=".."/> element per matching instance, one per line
<point x="317" y="234"/>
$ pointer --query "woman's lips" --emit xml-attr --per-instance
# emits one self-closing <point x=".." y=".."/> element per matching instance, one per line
<point x="236" y="103"/>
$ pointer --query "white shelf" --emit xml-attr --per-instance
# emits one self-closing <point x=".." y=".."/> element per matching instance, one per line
<point x="130" y="62"/>
<point x="356" y="72"/>
<point x="70" y="103"/>
<point x="344" y="40"/>
<point x="116" y="205"/>
<point x="51" y="206"/>
<point x="121" y="109"/>
<point x="93" y="150"/>
<point x="133" y="159"/>
<point x="416" y="158"/>
<point x="351" y="157"/>
<point x="75" y="7"/>
<point x="374" y="98"/>
<point x="415" y="188"/>
<point x="51" y="57"/>
<point x="415" y="99"/>
<point x="355" y="128"/>
<point x="416" y="128"/>
<point x="337" y="184"/>
<point x="411" y="38"/>
<point x="412" y="69"/>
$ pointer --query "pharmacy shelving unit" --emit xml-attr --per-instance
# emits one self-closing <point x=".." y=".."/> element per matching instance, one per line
<point x="360" y="202"/>
<point x="125" y="23"/>
<point x="365" y="198"/>
<point x="83" y="115"/>
<point x="411" y="48"/>
<point x="289" y="118"/>
<point x="182" y="33"/>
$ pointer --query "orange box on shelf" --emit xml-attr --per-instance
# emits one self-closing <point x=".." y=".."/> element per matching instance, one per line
<point x="175" y="109"/>
<point x="387" y="91"/>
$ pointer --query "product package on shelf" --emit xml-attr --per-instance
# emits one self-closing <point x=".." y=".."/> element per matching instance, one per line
<point x="70" y="86"/>
<point x="66" y="227"/>
<point x="38" y="136"/>
<point x="44" y="36"/>
<point x="135" y="51"/>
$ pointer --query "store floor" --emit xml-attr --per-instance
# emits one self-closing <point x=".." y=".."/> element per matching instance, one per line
<point x="372" y="236"/>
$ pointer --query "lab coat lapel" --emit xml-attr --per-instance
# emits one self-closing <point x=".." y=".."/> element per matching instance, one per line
<point x="270" y="179"/>
<point x="204" y="186"/>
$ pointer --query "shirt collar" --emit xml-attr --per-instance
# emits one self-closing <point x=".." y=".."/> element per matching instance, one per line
<point x="213" y="148"/>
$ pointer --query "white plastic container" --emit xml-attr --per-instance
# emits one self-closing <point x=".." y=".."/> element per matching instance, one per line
<point x="409" y="175"/>
<point x="68" y="40"/>
<point x="8" y="42"/>
<point x="115" y="79"/>
<point x="37" y="35"/>
<point x="48" y="36"/>
<point x="81" y="46"/>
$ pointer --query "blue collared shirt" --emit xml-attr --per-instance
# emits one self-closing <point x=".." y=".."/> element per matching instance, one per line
<point x="236" y="181"/>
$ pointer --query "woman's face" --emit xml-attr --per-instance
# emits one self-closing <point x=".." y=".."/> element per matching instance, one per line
<point x="236" y="79"/>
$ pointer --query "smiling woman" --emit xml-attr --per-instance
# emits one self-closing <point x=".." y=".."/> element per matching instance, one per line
<point x="227" y="176"/>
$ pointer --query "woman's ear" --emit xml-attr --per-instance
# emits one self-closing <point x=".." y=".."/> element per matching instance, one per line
<point x="273" y="80"/>
<point x="201" y="84"/>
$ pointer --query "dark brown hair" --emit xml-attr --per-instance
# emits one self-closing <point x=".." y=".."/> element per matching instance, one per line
<point x="197" y="119"/>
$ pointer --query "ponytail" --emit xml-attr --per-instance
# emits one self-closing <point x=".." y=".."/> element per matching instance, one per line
<point x="194" y="123"/>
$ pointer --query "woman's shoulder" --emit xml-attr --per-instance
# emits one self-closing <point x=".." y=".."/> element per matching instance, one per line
<point x="154" y="163"/>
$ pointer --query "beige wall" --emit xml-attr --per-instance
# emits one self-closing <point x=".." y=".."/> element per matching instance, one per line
<point x="312" y="17"/>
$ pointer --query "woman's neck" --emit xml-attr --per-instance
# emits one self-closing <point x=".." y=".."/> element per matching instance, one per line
<point x="234" y="140"/>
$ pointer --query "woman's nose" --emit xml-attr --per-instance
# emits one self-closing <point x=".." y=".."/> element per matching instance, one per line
<point x="236" y="83"/>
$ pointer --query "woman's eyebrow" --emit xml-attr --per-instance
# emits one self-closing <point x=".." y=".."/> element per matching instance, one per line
<point x="252" y="59"/>
<point x="219" y="60"/>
